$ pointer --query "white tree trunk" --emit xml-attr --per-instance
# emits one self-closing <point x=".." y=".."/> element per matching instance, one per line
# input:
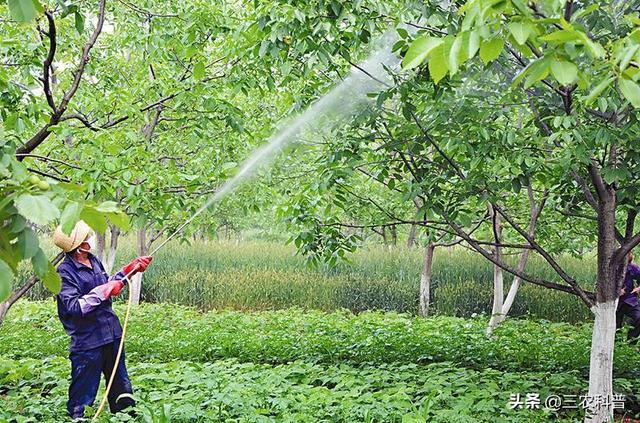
<point x="425" y="279"/>
<point x="107" y="254"/>
<point x="135" y="287"/>
<point x="497" y="312"/>
<point x="498" y="318"/>
<point x="601" y="362"/>
<point x="498" y="276"/>
<point x="101" y="242"/>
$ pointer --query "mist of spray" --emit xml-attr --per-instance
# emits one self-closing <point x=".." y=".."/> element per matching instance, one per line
<point x="339" y="104"/>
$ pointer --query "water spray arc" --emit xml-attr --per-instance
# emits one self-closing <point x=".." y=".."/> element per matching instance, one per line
<point x="334" y="108"/>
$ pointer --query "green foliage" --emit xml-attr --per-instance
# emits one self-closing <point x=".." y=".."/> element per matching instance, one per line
<point x="306" y="366"/>
<point x="276" y="337"/>
<point x="28" y="201"/>
<point x="226" y="390"/>
<point x="24" y="10"/>
<point x="260" y="275"/>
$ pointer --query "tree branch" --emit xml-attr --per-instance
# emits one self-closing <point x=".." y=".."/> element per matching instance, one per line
<point x="81" y="118"/>
<point x="559" y="270"/>
<point x="57" y="113"/>
<point x="46" y="65"/>
<point x="585" y="297"/>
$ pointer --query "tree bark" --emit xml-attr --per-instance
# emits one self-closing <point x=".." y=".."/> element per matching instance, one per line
<point x="498" y="276"/>
<point x="535" y="210"/>
<point x="425" y="279"/>
<point x="601" y="359"/>
<point x="110" y="255"/>
<point x="107" y="255"/>
<point x="101" y="237"/>
<point x="135" y="287"/>
<point x="4" y="309"/>
<point x="411" y="240"/>
<point x="394" y="235"/>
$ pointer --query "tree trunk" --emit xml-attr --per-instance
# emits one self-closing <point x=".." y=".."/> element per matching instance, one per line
<point x="135" y="288"/>
<point x="601" y="361"/>
<point x="498" y="277"/>
<point x="384" y="236"/>
<point x="411" y="240"/>
<point x="4" y="309"/>
<point x="425" y="279"/>
<point x="102" y="241"/>
<point x="522" y="263"/>
<point x="110" y="255"/>
<point x="394" y="235"/>
<point x="604" y="310"/>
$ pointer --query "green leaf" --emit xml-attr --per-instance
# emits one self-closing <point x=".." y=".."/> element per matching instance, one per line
<point x="438" y="63"/>
<point x="6" y="277"/>
<point x="198" y="70"/>
<point x="79" y="22"/>
<point x="598" y="90"/>
<point x="18" y="223"/>
<point x="94" y="218"/>
<point x="419" y="50"/>
<point x="454" y="54"/>
<point x="626" y="59"/>
<point x="491" y="49"/>
<point x="536" y="72"/>
<point x="630" y="90"/>
<point x="27" y="243"/>
<point x="521" y="31"/>
<point x="24" y="10"/>
<point x="565" y="72"/>
<point x="108" y="207"/>
<point x="473" y="44"/>
<point x="561" y="36"/>
<point x="40" y="263"/>
<point x="229" y="165"/>
<point x="121" y="220"/>
<point x="37" y="208"/>
<point x="51" y="280"/>
<point x="70" y="216"/>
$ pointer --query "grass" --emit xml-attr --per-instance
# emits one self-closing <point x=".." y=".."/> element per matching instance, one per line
<point x="32" y="330"/>
<point x="292" y="365"/>
<point x="259" y="275"/>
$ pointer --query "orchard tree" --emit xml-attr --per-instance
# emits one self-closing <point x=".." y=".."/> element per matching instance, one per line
<point x="136" y="107"/>
<point x="577" y="91"/>
<point x="30" y="111"/>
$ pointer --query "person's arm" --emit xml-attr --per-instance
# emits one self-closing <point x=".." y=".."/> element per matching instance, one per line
<point x="75" y="304"/>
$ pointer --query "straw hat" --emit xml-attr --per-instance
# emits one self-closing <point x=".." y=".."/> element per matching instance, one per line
<point x="72" y="241"/>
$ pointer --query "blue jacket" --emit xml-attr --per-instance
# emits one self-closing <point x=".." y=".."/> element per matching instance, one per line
<point x="633" y="274"/>
<point x="86" y="315"/>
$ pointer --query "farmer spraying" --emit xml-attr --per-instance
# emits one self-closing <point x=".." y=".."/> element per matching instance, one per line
<point x="84" y="308"/>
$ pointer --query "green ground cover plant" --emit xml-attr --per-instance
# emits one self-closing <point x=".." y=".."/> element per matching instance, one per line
<point x="296" y="365"/>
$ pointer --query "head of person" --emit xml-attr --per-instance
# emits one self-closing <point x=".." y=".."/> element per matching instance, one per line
<point x="630" y="257"/>
<point x="79" y="242"/>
